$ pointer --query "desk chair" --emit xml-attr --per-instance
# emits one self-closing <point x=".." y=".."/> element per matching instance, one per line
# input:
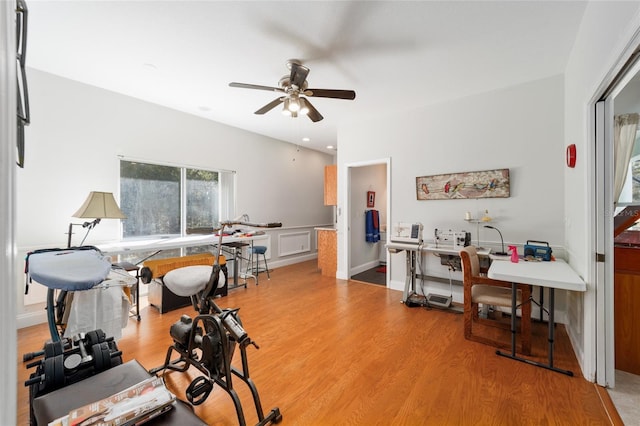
<point x="479" y="289"/>
<point x="257" y="251"/>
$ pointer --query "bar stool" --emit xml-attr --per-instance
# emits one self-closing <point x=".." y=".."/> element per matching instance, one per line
<point x="235" y="248"/>
<point x="258" y="250"/>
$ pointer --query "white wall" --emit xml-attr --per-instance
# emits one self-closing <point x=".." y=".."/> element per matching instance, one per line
<point x="605" y="31"/>
<point x="519" y="128"/>
<point x="524" y="128"/>
<point x="78" y="133"/>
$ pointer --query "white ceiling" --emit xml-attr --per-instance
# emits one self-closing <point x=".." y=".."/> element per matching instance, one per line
<point x="395" y="55"/>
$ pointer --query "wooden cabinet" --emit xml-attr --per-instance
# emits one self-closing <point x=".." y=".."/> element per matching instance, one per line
<point x="327" y="252"/>
<point x="626" y="312"/>
<point x="331" y="185"/>
<point x="626" y="290"/>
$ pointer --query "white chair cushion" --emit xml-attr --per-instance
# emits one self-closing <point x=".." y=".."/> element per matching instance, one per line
<point x="492" y="295"/>
<point x="189" y="280"/>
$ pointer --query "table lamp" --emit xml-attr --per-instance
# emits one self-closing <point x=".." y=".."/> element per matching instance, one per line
<point x="500" y="253"/>
<point x="98" y="205"/>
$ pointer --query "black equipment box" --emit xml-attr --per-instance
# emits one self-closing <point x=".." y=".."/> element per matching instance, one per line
<point x="538" y="249"/>
<point x="69" y="361"/>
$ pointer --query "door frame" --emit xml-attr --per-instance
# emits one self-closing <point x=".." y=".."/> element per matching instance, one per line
<point x="602" y="206"/>
<point x="603" y="242"/>
<point x="345" y="253"/>
<point x="8" y="268"/>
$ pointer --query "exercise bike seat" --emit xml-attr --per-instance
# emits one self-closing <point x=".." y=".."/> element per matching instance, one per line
<point x="190" y="280"/>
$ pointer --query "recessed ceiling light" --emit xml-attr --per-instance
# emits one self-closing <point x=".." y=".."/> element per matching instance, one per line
<point x="332" y="147"/>
<point x="305" y="139"/>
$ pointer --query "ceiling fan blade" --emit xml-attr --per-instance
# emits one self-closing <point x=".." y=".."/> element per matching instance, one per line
<point x="271" y="105"/>
<point x="299" y="74"/>
<point x="328" y="93"/>
<point x="313" y="113"/>
<point x="256" y="86"/>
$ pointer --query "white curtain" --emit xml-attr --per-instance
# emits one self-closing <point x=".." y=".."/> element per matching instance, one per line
<point x="624" y="137"/>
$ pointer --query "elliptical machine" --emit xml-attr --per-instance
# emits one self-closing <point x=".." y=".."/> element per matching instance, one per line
<point x="208" y="341"/>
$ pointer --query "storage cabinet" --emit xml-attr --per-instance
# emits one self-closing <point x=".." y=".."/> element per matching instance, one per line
<point x="626" y="312"/>
<point x="331" y="185"/>
<point x="327" y="251"/>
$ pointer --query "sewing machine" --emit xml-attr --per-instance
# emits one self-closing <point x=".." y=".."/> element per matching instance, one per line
<point x="451" y="238"/>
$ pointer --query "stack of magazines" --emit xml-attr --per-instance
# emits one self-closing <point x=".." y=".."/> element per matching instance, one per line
<point x="133" y="406"/>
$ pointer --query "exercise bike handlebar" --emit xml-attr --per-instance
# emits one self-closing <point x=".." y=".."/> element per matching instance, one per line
<point x="206" y="301"/>
<point x="245" y="223"/>
<point x="228" y="223"/>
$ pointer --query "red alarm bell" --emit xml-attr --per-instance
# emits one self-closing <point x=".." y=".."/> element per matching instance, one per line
<point x="571" y="155"/>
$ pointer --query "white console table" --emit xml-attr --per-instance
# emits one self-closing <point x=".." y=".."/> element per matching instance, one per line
<point x="160" y="244"/>
<point x="412" y="251"/>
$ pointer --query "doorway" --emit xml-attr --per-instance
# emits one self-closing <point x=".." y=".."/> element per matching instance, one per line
<point x="367" y="191"/>
<point x="617" y="143"/>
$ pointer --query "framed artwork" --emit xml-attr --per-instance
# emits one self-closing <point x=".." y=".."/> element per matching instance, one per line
<point x="465" y="185"/>
<point x="371" y="199"/>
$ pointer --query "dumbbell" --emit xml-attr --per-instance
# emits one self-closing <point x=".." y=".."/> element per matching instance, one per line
<point x="53" y="374"/>
<point x="57" y="364"/>
<point x="50" y="349"/>
<point x="96" y="336"/>
<point x="103" y="357"/>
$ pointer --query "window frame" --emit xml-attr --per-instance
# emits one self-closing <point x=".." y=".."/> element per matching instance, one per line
<point x="227" y="180"/>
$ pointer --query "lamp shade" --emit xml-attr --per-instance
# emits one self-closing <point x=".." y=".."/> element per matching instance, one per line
<point x="100" y="205"/>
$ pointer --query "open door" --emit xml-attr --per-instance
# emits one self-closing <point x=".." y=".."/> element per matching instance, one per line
<point x="365" y="258"/>
<point x="605" y="365"/>
<point x="617" y="162"/>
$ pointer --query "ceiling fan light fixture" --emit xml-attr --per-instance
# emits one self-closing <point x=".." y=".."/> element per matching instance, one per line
<point x="294" y="104"/>
<point x="285" y="109"/>
<point x="291" y="87"/>
<point x="304" y="109"/>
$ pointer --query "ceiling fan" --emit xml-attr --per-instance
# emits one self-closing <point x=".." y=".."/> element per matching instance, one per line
<point x="293" y="87"/>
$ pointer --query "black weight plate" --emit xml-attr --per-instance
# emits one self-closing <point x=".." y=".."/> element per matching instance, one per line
<point x="101" y="356"/>
<point x="52" y="349"/>
<point x="58" y="363"/>
<point x="95" y="337"/>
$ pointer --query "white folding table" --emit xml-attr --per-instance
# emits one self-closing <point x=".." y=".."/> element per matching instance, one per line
<point x="159" y="244"/>
<point x="552" y="275"/>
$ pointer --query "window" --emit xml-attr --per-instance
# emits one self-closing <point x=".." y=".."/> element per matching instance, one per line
<point x="630" y="196"/>
<point x="631" y="191"/>
<point x="161" y="200"/>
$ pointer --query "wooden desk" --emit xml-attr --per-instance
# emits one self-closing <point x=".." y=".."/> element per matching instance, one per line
<point x="553" y="275"/>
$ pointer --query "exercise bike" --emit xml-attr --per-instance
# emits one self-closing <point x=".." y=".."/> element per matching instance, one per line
<point x="208" y="341"/>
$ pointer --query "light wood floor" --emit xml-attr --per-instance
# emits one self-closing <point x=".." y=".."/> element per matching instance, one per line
<point x="334" y="352"/>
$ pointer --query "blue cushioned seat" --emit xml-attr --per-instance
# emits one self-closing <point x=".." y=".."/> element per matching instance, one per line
<point x="259" y="250"/>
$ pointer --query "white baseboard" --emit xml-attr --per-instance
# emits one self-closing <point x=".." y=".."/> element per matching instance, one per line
<point x="364" y="267"/>
<point x="28" y="319"/>
<point x="293" y="260"/>
<point x="396" y="285"/>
